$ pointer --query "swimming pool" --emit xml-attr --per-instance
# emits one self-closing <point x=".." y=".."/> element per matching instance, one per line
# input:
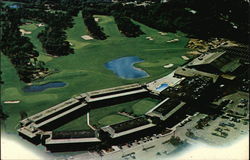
<point x="162" y="87"/>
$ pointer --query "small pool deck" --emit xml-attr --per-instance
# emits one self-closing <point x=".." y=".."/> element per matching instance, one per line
<point x="168" y="79"/>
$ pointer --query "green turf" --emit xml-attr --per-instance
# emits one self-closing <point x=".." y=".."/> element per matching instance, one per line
<point x="78" y="124"/>
<point x="29" y="27"/>
<point x="97" y="115"/>
<point x="33" y="38"/>
<point x="144" y="106"/>
<point x="85" y="71"/>
<point x="112" y="119"/>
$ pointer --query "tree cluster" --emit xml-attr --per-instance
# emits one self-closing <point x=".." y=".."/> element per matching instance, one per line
<point x="17" y="48"/>
<point x="95" y="30"/>
<point x="54" y="38"/>
<point x="3" y="115"/>
<point x="127" y="27"/>
<point x="21" y="51"/>
<point x="202" y="19"/>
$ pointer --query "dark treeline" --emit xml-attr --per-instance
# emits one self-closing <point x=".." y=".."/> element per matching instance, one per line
<point x="21" y="51"/>
<point x="17" y="48"/>
<point x="127" y="27"/>
<point x="98" y="8"/>
<point x="54" y="38"/>
<point x="95" y="30"/>
<point x="124" y="24"/>
<point x="202" y="19"/>
<point x="3" y="115"/>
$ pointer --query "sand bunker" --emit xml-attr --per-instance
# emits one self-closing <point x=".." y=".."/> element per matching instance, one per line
<point x="173" y="40"/>
<point x="168" y="65"/>
<point x="97" y="19"/>
<point x="40" y="25"/>
<point x="194" y="52"/>
<point x="185" y="58"/>
<point x="162" y="33"/>
<point x="87" y="37"/>
<point x="149" y="38"/>
<point x="24" y="32"/>
<point x="11" y="102"/>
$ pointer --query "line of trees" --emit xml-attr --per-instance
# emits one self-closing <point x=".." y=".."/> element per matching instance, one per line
<point x="21" y="51"/>
<point x="204" y="20"/>
<point x="54" y="38"/>
<point x="17" y="48"/>
<point x="127" y="27"/>
<point x="3" y="115"/>
<point x="95" y="30"/>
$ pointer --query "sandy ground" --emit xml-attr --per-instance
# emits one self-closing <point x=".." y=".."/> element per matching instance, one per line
<point x="149" y="38"/>
<point x="185" y="58"/>
<point x="11" y="102"/>
<point x="24" y="32"/>
<point x="168" y="65"/>
<point x="173" y="40"/>
<point x="87" y="37"/>
<point x="162" y="33"/>
<point x="97" y="19"/>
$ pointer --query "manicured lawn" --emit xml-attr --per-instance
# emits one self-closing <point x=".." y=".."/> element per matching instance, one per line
<point x="29" y="27"/>
<point x="144" y="106"/>
<point x="97" y="115"/>
<point x="85" y="71"/>
<point x="112" y="119"/>
<point x="35" y="41"/>
<point x="78" y="124"/>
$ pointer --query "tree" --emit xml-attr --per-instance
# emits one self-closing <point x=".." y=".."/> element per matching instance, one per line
<point x="3" y="115"/>
<point x="23" y="115"/>
<point x="175" y="140"/>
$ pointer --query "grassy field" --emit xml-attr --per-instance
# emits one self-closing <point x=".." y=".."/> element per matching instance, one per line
<point x="84" y="71"/>
<point x="112" y="119"/>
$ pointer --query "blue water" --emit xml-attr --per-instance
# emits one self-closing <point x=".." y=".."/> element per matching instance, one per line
<point x="162" y="87"/>
<point x="123" y="67"/>
<point x="14" y="6"/>
<point x="39" y="88"/>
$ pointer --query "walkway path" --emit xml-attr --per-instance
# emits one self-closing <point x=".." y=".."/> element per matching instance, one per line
<point x="89" y="122"/>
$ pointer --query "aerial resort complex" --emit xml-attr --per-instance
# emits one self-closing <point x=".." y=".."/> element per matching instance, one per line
<point x="192" y="85"/>
<point x="121" y="80"/>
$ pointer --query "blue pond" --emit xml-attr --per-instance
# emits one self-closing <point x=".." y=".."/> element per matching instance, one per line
<point x="123" y="67"/>
<point x="39" y="88"/>
<point x="14" y="6"/>
<point x="162" y="87"/>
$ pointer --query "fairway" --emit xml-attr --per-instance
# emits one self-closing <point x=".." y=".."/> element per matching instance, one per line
<point x="84" y="71"/>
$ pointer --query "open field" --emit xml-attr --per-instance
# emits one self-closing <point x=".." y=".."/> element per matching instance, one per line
<point x="85" y="71"/>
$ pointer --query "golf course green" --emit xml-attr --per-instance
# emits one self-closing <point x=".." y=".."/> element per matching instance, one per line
<point x="84" y="71"/>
